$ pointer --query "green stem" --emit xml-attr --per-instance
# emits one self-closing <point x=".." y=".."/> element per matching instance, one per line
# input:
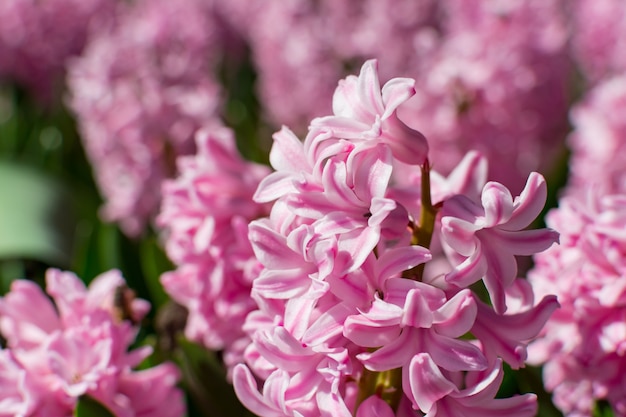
<point x="423" y="233"/>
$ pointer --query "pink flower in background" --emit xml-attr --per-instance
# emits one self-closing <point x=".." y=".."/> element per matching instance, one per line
<point x="204" y="218"/>
<point x="77" y="345"/>
<point x="492" y="77"/>
<point x="599" y="37"/>
<point x="598" y="141"/>
<point x="38" y="37"/>
<point x="299" y="60"/>
<point x="495" y="81"/>
<point x="583" y="344"/>
<point x="140" y="91"/>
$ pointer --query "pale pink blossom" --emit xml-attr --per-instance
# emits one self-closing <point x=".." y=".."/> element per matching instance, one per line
<point x="441" y="397"/>
<point x="139" y="97"/>
<point x="483" y="238"/>
<point x="599" y="37"/>
<point x="598" y="141"/>
<point x="582" y="346"/>
<point x="79" y="348"/>
<point x="342" y="295"/>
<point x="494" y="80"/>
<point x="204" y="218"/>
<point x="365" y="115"/>
<point x="38" y="37"/>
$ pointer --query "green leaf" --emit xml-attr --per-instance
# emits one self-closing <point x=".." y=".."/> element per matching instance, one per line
<point x="205" y="381"/>
<point x="603" y="409"/>
<point x="36" y="220"/>
<point x="89" y="407"/>
<point x="154" y="263"/>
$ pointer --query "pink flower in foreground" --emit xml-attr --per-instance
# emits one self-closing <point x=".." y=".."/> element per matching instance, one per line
<point x="366" y="115"/>
<point x="348" y="321"/>
<point x="78" y="346"/>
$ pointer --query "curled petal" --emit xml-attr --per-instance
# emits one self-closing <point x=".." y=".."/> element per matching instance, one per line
<point x="457" y="316"/>
<point x="392" y="355"/>
<point x="526" y="242"/>
<point x="470" y="270"/>
<point x="395" y="92"/>
<point x="246" y="389"/>
<point x="453" y="354"/>
<point x="498" y="204"/>
<point x="287" y="152"/>
<point x="395" y="261"/>
<point x="528" y="205"/>
<point x="459" y="234"/>
<point x="424" y="383"/>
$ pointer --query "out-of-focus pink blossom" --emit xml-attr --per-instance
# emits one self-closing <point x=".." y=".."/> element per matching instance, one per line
<point x="294" y="47"/>
<point x="140" y="91"/>
<point x="583" y="344"/>
<point x="598" y="141"/>
<point x="79" y="348"/>
<point x="495" y="81"/>
<point x="38" y="37"/>
<point x="204" y="218"/>
<point x="491" y="77"/>
<point x="599" y="37"/>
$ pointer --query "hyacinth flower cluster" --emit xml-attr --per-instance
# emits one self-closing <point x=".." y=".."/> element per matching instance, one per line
<point x="584" y="342"/>
<point x="581" y="347"/>
<point x="141" y="89"/>
<point x="351" y="320"/>
<point x="204" y="221"/>
<point x="77" y="345"/>
<point x="38" y="37"/>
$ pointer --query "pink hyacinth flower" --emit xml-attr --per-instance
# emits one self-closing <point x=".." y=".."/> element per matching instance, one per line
<point x="365" y="115"/>
<point x="483" y="239"/>
<point x="439" y="397"/>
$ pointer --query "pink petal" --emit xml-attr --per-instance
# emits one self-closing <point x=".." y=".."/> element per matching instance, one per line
<point x="526" y="242"/>
<point x="392" y="355"/>
<point x="395" y="261"/>
<point x="453" y="354"/>
<point x="529" y="203"/>
<point x="374" y="407"/>
<point x="470" y="270"/>
<point x="271" y="248"/>
<point x="425" y="383"/>
<point x="459" y="235"/>
<point x="456" y="317"/>
<point x="287" y="152"/>
<point x="498" y="204"/>
<point x="274" y="186"/>
<point x="328" y="325"/>
<point x="369" y="88"/>
<point x="395" y="92"/>
<point x="246" y="389"/>
<point x="371" y="171"/>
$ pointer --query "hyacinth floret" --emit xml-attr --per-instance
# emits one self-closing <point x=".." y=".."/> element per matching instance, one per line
<point x="349" y="321"/>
